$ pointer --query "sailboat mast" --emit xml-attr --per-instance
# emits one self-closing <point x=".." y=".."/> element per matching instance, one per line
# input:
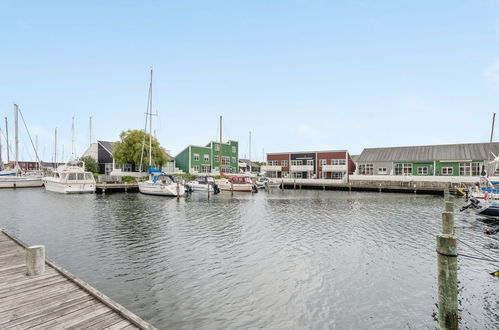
<point x="73" y="139"/>
<point x="150" y="121"/>
<point x="490" y="143"/>
<point x="7" y="138"/>
<point x="16" y="139"/>
<point x="55" y="148"/>
<point x="90" y="130"/>
<point x="1" y="163"/>
<point x="250" y="151"/>
<point x="220" y="147"/>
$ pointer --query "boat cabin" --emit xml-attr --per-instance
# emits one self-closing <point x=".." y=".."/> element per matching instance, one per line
<point x="240" y="180"/>
<point x="74" y="176"/>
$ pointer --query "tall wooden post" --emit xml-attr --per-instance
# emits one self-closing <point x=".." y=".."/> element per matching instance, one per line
<point x="449" y="206"/>
<point x="178" y="190"/>
<point x="448" y="223"/>
<point x="447" y="282"/>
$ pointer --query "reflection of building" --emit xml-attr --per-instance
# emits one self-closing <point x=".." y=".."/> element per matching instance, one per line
<point x="333" y="164"/>
<point x="436" y="160"/>
<point x="102" y="152"/>
<point x="199" y="159"/>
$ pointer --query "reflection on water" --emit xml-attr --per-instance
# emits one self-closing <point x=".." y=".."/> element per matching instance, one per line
<point x="288" y="259"/>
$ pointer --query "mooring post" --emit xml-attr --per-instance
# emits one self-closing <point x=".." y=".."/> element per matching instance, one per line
<point x="448" y="223"/>
<point x="209" y="186"/>
<point x="449" y="206"/>
<point x="446" y="194"/>
<point x="282" y="184"/>
<point x="294" y="184"/>
<point x="178" y="190"/>
<point x="232" y="189"/>
<point x="35" y="260"/>
<point x="447" y="282"/>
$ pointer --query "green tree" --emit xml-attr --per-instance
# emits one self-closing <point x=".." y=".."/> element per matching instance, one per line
<point x="91" y="164"/>
<point x="129" y="149"/>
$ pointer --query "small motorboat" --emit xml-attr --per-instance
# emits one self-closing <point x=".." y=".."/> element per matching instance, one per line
<point x="266" y="183"/>
<point x="240" y="183"/>
<point x="70" y="179"/>
<point x="203" y="183"/>
<point x="161" y="184"/>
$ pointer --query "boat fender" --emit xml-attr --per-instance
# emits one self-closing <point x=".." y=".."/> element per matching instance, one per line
<point x="486" y="195"/>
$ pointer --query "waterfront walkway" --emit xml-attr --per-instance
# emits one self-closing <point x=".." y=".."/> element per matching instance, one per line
<point x="55" y="299"/>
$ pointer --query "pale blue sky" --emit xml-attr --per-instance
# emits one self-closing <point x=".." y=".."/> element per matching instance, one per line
<point x="301" y="75"/>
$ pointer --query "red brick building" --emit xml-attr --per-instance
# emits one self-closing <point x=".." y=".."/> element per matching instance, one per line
<point x="330" y="164"/>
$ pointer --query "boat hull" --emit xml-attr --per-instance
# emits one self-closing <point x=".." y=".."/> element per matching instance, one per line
<point x="69" y="188"/>
<point x="167" y="190"/>
<point x="10" y="182"/>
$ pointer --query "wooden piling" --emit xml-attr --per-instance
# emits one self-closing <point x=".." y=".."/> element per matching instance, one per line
<point x="447" y="282"/>
<point x="178" y="190"/>
<point x="35" y="260"/>
<point x="232" y="189"/>
<point x="448" y="223"/>
<point x="446" y="194"/>
<point x="449" y="206"/>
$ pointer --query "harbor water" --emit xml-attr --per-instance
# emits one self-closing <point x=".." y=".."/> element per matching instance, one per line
<point x="279" y="260"/>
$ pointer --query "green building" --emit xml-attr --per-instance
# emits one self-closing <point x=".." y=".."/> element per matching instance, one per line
<point x="468" y="160"/>
<point x="199" y="159"/>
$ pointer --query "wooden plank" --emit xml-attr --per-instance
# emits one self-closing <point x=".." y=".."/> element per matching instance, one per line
<point x="119" y="325"/>
<point x="33" y="287"/>
<point x="83" y="318"/>
<point x="69" y="315"/>
<point x="27" y="282"/>
<point x="15" y="268"/>
<point x="30" y="297"/>
<point x="99" y="322"/>
<point x="39" y="306"/>
<point x="20" y="278"/>
<point x="27" y="297"/>
<point x="66" y="307"/>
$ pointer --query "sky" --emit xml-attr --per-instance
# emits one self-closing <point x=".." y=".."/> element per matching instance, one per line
<point x="300" y="75"/>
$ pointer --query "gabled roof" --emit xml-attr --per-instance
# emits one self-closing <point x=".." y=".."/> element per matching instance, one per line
<point x="247" y="162"/>
<point x="108" y="146"/>
<point x="451" y="152"/>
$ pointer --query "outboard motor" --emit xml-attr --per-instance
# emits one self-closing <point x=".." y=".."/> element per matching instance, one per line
<point x="216" y="189"/>
<point x="473" y="203"/>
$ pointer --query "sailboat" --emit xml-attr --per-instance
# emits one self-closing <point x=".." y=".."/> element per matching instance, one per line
<point x="16" y="178"/>
<point x="159" y="183"/>
<point x="240" y="183"/>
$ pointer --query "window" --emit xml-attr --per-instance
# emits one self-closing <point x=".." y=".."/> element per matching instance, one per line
<point x="310" y="162"/>
<point x="382" y="171"/>
<point x="284" y="174"/>
<point x="234" y="149"/>
<point x="322" y="162"/>
<point x="338" y="161"/>
<point x="296" y="162"/>
<point x="403" y="169"/>
<point x="88" y="176"/>
<point x="447" y="170"/>
<point x="126" y="167"/>
<point x="233" y="159"/>
<point x="206" y="157"/>
<point x="225" y="161"/>
<point x="423" y="170"/>
<point x="272" y="162"/>
<point x="196" y="168"/>
<point x="72" y="176"/>
<point x="217" y="147"/>
<point x="81" y="176"/>
<point x="284" y="163"/>
<point x="366" y="169"/>
<point x="337" y="175"/>
<point x="475" y="169"/>
<point x="196" y="157"/>
<point x="216" y="158"/>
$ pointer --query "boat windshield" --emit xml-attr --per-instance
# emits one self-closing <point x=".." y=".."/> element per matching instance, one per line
<point x="164" y="179"/>
<point x="240" y="179"/>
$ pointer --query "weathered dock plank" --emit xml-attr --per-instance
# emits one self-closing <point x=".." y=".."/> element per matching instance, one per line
<point x="55" y="299"/>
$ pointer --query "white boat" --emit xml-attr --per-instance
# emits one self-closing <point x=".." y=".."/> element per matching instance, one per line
<point x="70" y="179"/>
<point x="162" y="185"/>
<point x="266" y="183"/>
<point x="15" y="178"/>
<point x="203" y="183"/>
<point x="241" y="183"/>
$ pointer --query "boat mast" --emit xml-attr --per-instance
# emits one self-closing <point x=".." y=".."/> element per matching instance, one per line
<point x="55" y="148"/>
<point x="73" y="138"/>
<point x="7" y="139"/>
<point x="16" y="113"/>
<point x="250" y="151"/>
<point x="1" y="163"/>
<point x="90" y="130"/>
<point x="150" y="121"/>
<point x="220" y="147"/>
<point x="490" y="143"/>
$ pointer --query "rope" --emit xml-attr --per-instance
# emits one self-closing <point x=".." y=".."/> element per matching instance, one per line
<point x="477" y="258"/>
<point x="476" y="250"/>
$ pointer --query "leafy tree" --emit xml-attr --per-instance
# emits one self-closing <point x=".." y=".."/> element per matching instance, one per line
<point x="129" y="149"/>
<point x="91" y="164"/>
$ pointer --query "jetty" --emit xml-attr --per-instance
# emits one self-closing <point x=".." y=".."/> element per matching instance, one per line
<point x="54" y="299"/>
<point x="116" y="187"/>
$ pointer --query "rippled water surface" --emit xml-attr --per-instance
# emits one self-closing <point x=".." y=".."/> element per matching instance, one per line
<point x="279" y="260"/>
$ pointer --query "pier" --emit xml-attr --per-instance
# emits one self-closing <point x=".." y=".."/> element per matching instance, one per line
<point x="54" y="299"/>
<point x="116" y="187"/>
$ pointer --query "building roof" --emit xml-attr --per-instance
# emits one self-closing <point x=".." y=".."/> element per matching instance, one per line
<point x="354" y="158"/>
<point x="247" y="162"/>
<point x="451" y="152"/>
<point x="304" y="152"/>
<point x="108" y="146"/>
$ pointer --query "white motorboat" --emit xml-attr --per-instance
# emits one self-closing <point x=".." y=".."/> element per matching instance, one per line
<point x="70" y="179"/>
<point x="203" y="183"/>
<point x="266" y="183"/>
<point x="15" y="178"/>
<point x="162" y="185"/>
<point x="241" y="183"/>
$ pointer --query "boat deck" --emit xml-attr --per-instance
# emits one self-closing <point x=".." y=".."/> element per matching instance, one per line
<point x="55" y="299"/>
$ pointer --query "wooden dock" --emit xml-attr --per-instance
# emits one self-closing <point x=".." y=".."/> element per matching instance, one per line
<point x="116" y="187"/>
<point x="55" y="299"/>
